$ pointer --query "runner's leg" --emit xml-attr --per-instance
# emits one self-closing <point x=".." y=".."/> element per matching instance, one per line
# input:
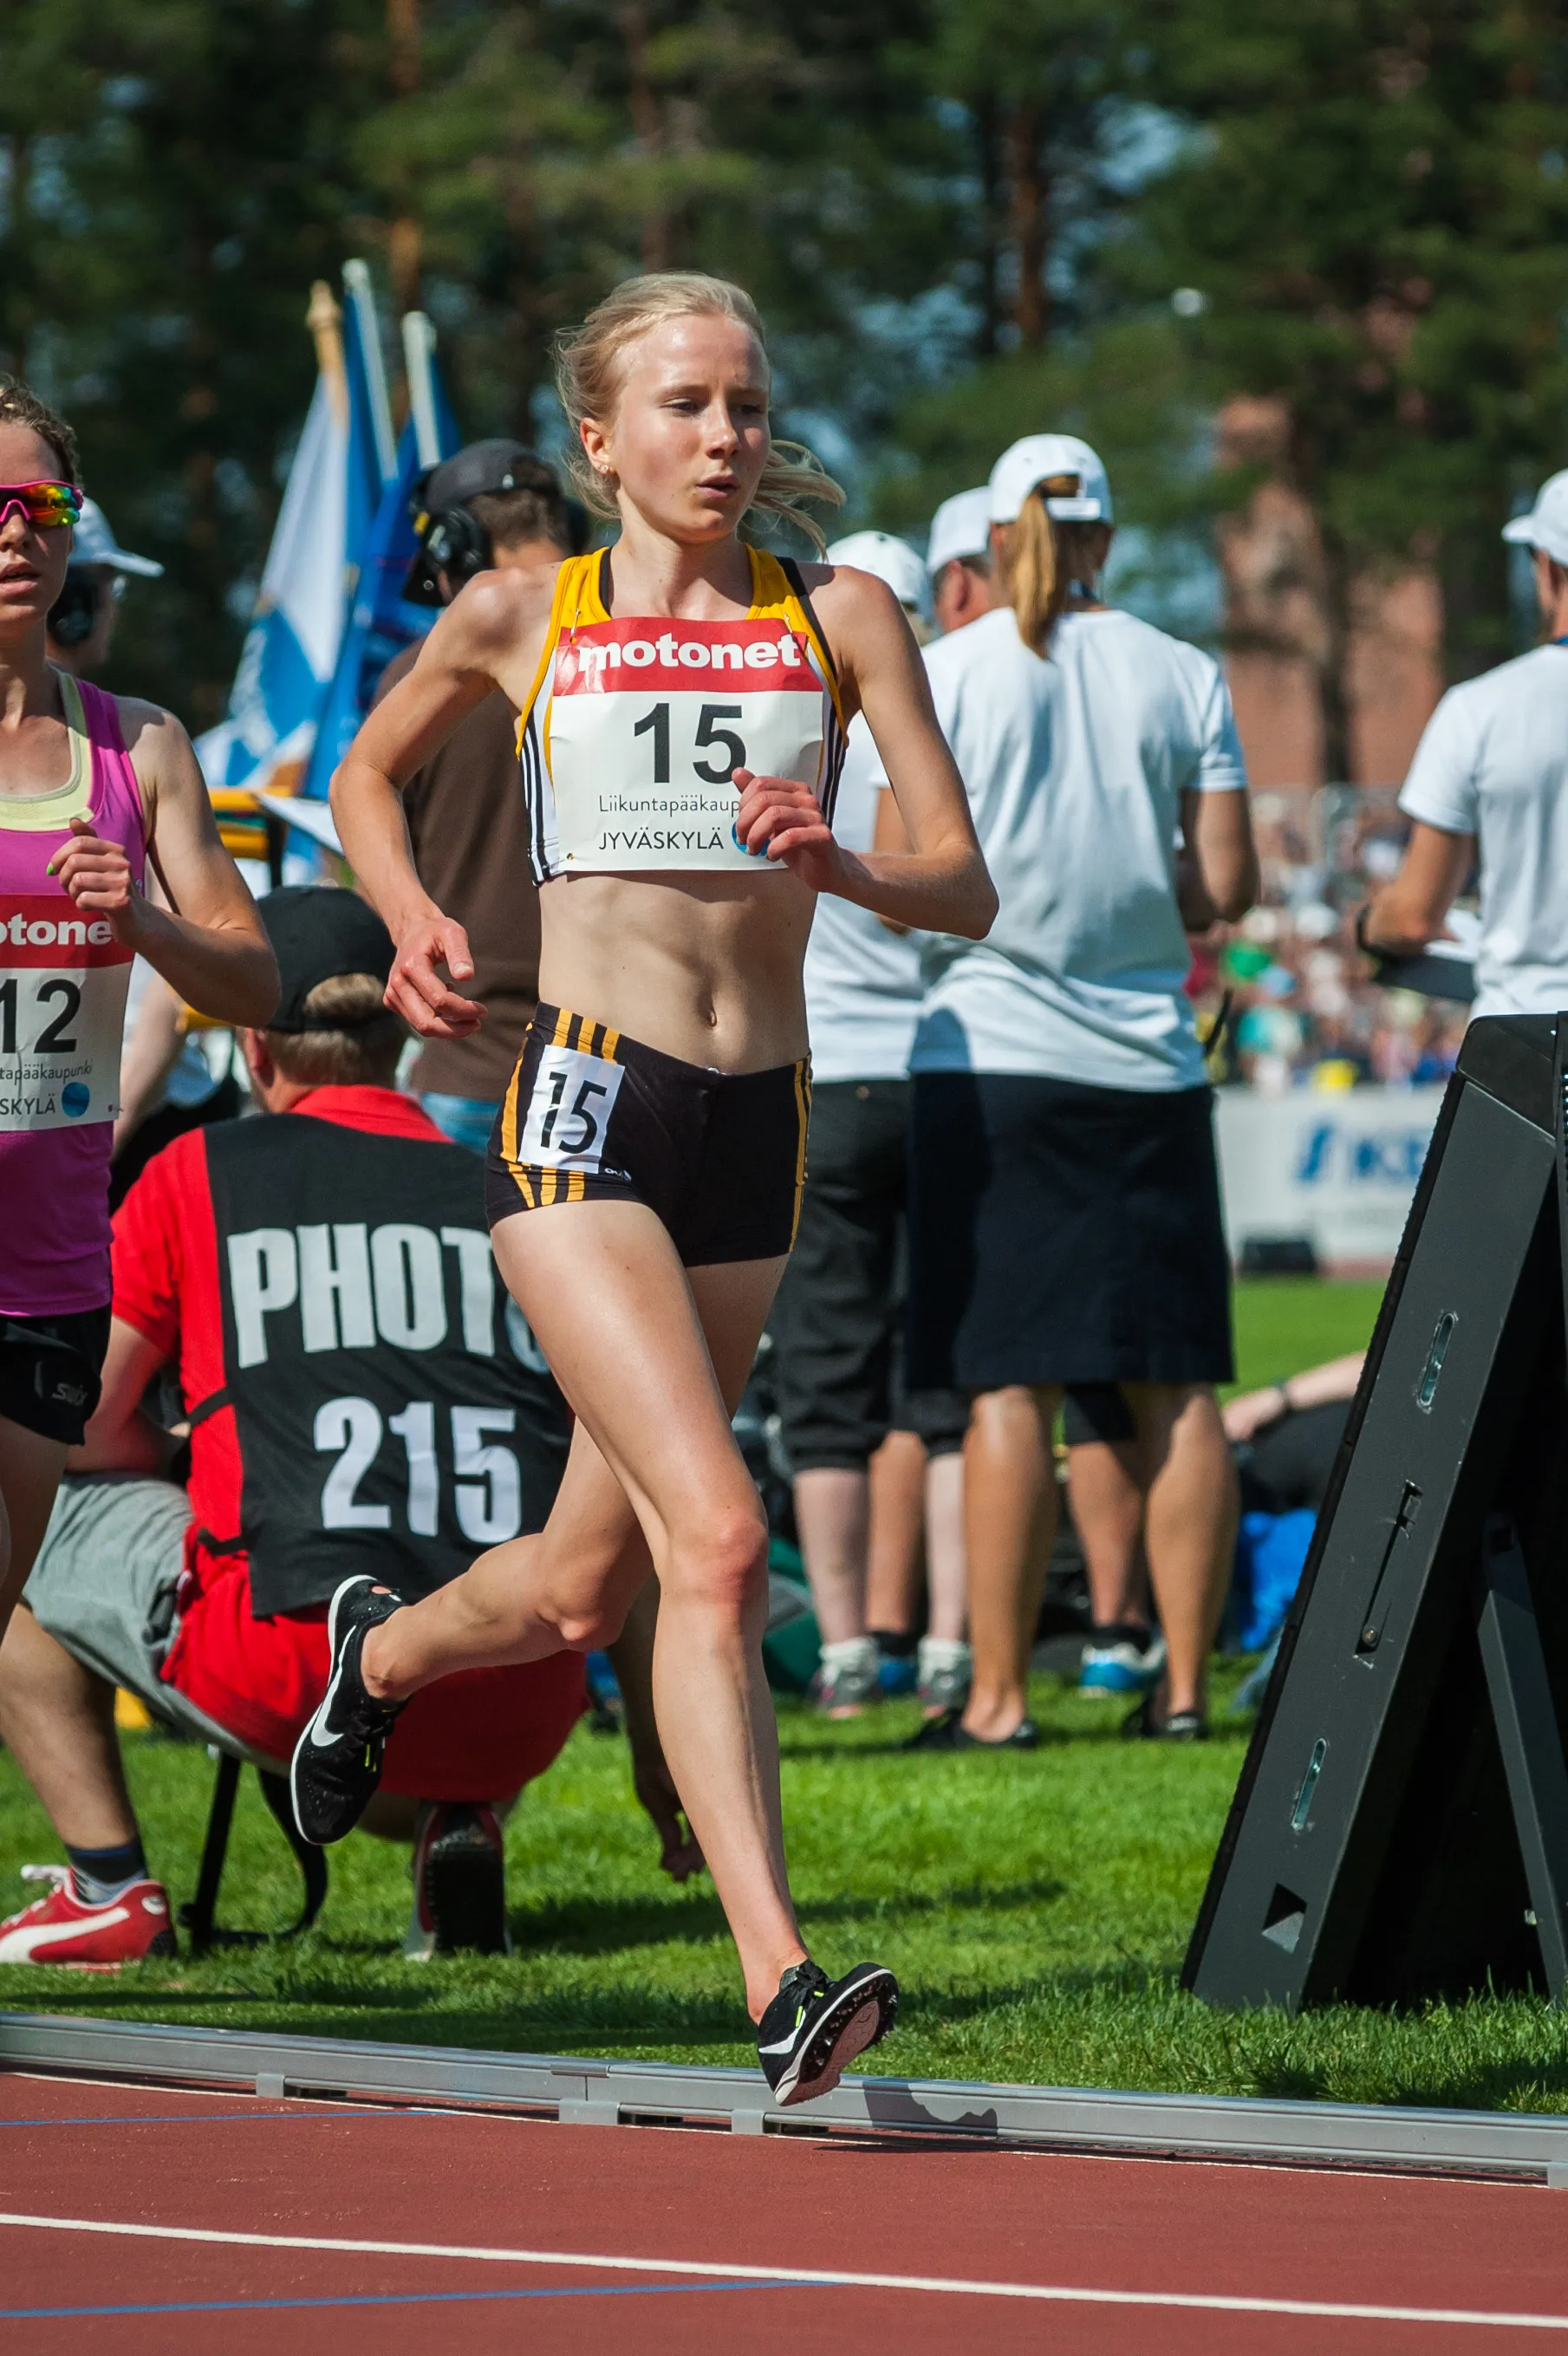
<point x="653" y="1358"/>
<point x="30" y="1467"/>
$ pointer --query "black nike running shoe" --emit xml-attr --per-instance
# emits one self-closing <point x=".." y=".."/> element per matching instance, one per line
<point x="814" y="2028"/>
<point x="337" y="1760"/>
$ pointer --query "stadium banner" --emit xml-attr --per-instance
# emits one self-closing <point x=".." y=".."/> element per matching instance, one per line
<point x="1339" y="1170"/>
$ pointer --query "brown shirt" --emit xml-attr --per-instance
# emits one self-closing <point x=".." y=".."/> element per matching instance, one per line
<point x="468" y="824"/>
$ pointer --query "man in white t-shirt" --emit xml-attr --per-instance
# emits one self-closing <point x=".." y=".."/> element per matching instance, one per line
<point x="958" y="558"/>
<point x="837" y="1349"/>
<point x="1489" y="780"/>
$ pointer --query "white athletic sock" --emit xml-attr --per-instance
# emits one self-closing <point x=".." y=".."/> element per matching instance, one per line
<point x="852" y="1652"/>
<point x="938" y="1653"/>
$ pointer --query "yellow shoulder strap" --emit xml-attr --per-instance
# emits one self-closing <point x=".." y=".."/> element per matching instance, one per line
<point x="576" y="599"/>
<point x="771" y="595"/>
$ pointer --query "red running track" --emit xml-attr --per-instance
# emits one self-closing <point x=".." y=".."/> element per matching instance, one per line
<point x="515" y="2225"/>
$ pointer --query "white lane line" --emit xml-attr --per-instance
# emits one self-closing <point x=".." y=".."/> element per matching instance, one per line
<point x="1058" y="2293"/>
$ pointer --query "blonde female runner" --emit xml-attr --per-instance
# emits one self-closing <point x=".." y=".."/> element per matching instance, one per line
<point x="683" y="698"/>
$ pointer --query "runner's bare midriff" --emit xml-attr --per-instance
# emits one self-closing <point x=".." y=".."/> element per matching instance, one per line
<point x="706" y="968"/>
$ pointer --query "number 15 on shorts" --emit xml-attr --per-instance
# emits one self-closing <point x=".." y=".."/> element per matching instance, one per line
<point x="569" y="1108"/>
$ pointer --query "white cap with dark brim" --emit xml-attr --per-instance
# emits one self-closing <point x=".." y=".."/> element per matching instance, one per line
<point x="892" y="561"/>
<point x="1546" y="525"/>
<point x="961" y="528"/>
<point x="1077" y="489"/>
<point x="93" y="542"/>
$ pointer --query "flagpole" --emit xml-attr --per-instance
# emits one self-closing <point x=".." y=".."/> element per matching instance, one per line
<point x="356" y="286"/>
<point x="418" y="347"/>
<point x="325" y="321"/>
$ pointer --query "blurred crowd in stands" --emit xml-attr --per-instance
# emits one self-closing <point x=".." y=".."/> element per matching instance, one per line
<point x="1299" y="1006"/>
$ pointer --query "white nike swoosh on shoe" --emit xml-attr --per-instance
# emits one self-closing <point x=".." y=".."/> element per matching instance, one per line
<point x="785" y="2048"/>
<point x="18" y="1945"/>
<point x="322" y="1740"/>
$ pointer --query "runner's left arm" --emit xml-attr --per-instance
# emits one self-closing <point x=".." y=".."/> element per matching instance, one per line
<point x="208" y="944"/>
<point x="941" y="884"/>
<point x="121" y="1437"/>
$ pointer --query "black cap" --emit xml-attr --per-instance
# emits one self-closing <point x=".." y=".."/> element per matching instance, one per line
<point x="498" y="466"/>
<point x="452" y="541"/>
<point x="319" y="932"/>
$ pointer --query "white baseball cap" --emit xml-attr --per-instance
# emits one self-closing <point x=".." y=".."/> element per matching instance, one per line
<point x="1546" y="525"/>
<point x="93" y="542"/>
<point x="892" y="561"/>
<point x="960" y="527"/>
<point x="1084" y="496"/>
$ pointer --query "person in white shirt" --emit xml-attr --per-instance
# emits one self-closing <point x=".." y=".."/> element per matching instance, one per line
<point x="1065" y="1224"/>
<point x="1489" y="781"/>
<point x="835" y="1327"/>
<point x="958" y="558"/>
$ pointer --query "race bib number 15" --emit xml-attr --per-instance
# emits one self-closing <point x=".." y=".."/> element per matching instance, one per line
<point x="647" y="731"/>
<point x="64" y="979"/>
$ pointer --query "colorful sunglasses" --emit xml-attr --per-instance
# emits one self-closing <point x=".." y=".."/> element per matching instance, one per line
<point x="46" y="506"/>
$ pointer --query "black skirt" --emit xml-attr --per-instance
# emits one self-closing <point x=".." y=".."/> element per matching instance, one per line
<point x="1064" y="1234"/>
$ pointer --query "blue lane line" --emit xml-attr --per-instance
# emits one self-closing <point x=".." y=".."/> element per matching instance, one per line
<point x="306" y="2107"/>
<point x="162" y="2118"/>
<point x="384" y="2299"/>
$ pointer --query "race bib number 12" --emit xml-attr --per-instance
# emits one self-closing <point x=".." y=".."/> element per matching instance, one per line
<point x="64" y="979"/>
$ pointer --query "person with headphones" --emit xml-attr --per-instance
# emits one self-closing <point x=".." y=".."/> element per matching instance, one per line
<point x="83" y="618"/>
<point x="494" y="506"/>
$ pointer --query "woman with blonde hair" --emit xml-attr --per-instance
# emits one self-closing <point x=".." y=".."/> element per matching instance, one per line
<point x="1065" y="1224"/>
<point x="683" y="697"/>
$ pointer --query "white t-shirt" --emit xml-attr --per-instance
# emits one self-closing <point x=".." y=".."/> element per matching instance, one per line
<point x="1076" y="766"/>
<point x="1493" y="762"/>
<point x="863" y="982"/>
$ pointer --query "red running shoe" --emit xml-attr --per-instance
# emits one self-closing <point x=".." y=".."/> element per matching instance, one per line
<point x="60" y="1929"/>
<point x="459" y="1884"/>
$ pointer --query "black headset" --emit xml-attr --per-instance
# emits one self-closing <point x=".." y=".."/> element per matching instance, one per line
<point x="73" y="616"/>
<point x="456" y="543"/>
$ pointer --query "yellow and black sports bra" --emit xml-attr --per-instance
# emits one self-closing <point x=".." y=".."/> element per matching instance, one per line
<point x="634" y="727"/>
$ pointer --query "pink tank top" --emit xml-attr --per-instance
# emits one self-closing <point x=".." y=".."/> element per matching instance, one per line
<point x="64" y="979"/>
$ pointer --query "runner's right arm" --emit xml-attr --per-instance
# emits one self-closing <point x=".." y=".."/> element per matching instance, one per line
<point x="489" y="636"/>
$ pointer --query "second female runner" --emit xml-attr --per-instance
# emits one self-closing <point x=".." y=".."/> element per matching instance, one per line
<point x="683" y="698"/>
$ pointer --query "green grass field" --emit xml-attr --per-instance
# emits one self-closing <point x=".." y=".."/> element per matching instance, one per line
<point x="1036" y="1908"/>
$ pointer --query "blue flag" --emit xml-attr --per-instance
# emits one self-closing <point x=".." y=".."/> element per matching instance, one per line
<point x="382" y="622"/>
<point x="290" y="654"/>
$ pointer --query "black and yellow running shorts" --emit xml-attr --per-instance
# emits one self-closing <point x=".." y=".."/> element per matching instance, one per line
<point x="592" y="1117"/>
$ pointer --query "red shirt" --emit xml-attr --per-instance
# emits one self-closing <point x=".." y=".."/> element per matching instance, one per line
<point x="261" y="1678"/>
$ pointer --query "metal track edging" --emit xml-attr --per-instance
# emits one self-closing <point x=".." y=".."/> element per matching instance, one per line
<point x="585" y="2090"/>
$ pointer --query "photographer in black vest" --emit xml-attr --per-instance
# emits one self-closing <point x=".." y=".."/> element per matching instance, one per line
<point x="359" y="1392"/>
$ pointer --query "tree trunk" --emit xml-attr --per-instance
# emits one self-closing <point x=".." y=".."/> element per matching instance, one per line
<point x="1028" y="200"/>
<point x="648" y="124"/>
<point x="989" y="143"/>
<point x="18" y="308"/>
<point x="403" y="75"/>
<point x="1480" y="626"/>
<point x="1333" y="671"/>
